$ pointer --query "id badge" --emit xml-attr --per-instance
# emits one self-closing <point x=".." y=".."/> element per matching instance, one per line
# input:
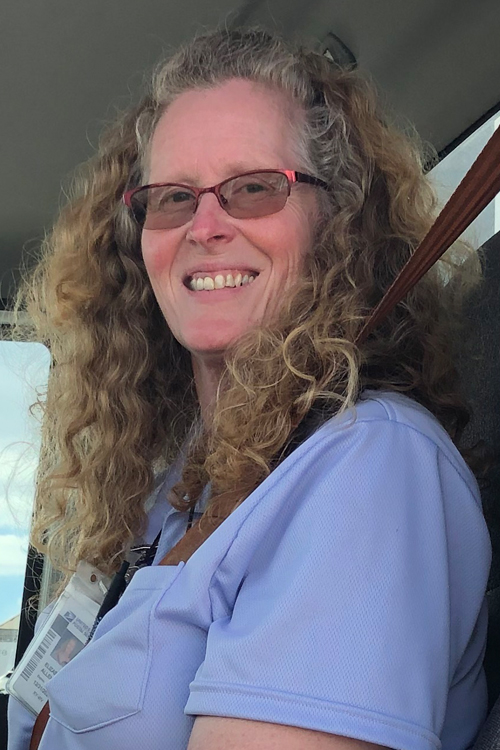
<point x="62" y="637"/>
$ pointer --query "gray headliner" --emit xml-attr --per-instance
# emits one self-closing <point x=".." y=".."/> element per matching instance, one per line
<point x="68" y="65"/>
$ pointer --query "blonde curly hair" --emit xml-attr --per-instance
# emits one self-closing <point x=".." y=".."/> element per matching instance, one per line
<point x="121" y="399"/>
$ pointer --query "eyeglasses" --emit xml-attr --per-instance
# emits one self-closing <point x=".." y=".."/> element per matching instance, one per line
<point x="246" y="196"/>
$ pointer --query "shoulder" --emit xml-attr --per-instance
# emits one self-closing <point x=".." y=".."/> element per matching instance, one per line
<point x="379" y="408"/>
<point x="387" y="456"/>
<point x="401" y="411"/>
<point x="386" y="467"/>
<point x="392" y="428"/>
<point x="385" y="472"/>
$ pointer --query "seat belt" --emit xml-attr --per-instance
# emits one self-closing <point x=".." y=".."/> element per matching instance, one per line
<point x="479" y="186"/>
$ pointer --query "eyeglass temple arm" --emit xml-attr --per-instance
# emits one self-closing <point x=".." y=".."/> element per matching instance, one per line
<point x="301" y="177"/>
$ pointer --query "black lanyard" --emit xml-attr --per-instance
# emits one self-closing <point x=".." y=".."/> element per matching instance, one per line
<point x="123" y="577"/>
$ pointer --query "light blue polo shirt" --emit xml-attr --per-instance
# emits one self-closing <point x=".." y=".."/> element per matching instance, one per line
<point x="346" y="595"/>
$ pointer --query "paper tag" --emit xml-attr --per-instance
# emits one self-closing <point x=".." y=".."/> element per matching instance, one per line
<point x="61" y="638"/>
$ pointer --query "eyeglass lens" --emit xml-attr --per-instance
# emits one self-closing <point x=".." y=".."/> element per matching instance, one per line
<point x="243" y="197"/>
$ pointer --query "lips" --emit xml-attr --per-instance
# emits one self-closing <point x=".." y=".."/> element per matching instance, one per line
<point x="197" y="273"/>
<point x="207" y="283"/>
<point x="219" y="279"/>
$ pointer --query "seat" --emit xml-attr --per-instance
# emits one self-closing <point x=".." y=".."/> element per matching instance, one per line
<point x="479" y="363"/>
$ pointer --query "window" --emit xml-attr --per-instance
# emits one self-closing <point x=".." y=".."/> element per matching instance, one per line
<point x="450" y="171"/>
<point x="24" y="369"/>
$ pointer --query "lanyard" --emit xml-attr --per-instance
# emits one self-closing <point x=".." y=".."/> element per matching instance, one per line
<point x="122" y="578"/>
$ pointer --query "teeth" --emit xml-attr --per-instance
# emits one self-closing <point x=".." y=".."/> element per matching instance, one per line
<point x="220" y="281"/>
<point x="207" y="283"/>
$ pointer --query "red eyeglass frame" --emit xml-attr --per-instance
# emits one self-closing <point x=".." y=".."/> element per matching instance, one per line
<point x="292" y="177"/>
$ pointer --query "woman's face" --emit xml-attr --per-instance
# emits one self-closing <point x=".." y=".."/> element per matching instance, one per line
<point x="204" y="137"/>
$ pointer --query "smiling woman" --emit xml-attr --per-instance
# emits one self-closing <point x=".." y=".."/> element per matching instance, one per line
<point x="202" y="293"/>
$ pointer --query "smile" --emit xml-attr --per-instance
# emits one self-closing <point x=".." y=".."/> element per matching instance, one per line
<point x="200" y="282"/>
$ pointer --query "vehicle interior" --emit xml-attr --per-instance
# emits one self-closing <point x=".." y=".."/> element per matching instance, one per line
<point x="69" y="67"/>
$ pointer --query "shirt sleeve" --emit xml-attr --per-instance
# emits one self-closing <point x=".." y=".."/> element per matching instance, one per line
<point x="361" y="598"/>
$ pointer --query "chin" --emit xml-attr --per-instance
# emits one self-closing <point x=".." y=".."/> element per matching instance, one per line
<point x="212" y="345"/>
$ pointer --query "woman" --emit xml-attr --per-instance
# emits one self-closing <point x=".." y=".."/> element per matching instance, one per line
<point x="209" y="325"/>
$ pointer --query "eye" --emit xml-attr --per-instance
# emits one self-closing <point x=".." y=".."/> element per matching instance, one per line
<point x="179" y="197"/>
<point x="165" y="199"/>
<point x="254" y="187"/>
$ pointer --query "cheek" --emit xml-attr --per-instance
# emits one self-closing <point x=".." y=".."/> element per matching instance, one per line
<point x="297" y="241"/>
<point x="157" y="253"/>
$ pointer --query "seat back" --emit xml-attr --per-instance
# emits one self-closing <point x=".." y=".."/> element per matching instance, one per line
<point x="479" y="362"/>
<point x="489" y="738"/>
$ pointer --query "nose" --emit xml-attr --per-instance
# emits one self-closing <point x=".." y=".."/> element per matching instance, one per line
<point x="210" y="224"/>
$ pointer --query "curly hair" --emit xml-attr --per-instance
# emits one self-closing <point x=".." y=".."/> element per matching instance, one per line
<point x="121" y="400"/>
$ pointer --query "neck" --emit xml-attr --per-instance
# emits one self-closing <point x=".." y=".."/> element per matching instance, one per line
<point x="206" y="373"/>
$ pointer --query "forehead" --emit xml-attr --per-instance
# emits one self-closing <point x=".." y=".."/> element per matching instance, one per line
<point x="213" y="133"/>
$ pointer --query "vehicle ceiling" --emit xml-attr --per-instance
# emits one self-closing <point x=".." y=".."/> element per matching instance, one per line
<point x="67" y="66"/>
